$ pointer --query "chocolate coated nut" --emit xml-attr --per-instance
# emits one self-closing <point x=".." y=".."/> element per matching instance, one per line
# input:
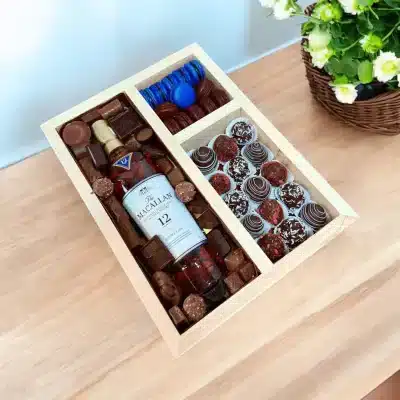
<point x="153" y="151"/>
<point x="197" y="206"/>
<point x="98" y="156"/>
<point x="157" y="256"/>
<point x="132" y="144"/>
<point x="175" y="176"/>
<point x="121" y="219"/>
<point x="126" y="123"/>
<point x="110" y="109"/>
<point x="217" y="243"/>
<point x="89" y="170"/>
<point x="233" y="282"/>
<point x="194" y="307"/>
<point x="164" y="165"/>
<point x="178" y="317"/>
<point x="234" y="260"/>
<point x="144" y="135"/>
<point x="166" y="287"/>
<point x="248" y="272"/>
<point x="103" y="187"/>
<point x="207" y="220"/>
<point x="91" y="116"/>
<point x="185" y="191"/>
<point x="76" y="133"/>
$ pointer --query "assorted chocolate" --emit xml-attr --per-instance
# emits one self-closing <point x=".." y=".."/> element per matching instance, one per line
<point x="185" y="96"/>
<point x="275" y="210"/>
<point x="115" y="150"/>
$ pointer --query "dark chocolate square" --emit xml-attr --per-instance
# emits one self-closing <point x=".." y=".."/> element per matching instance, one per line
<point x="126" y="123"/>
<point x="217" y="243"/>
<point x="233" y="282"/>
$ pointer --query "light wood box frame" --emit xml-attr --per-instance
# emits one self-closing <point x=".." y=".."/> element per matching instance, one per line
<point x="198" y="134"/>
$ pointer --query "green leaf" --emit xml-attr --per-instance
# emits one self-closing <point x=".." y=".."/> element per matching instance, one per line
<point x="366" y="72"/>
<point x="335" y="66"/>
<point x="355" y="52"/>
<point x="341" y="80"/>
<point x="307" y="27"/>
<point x="365" y="3"/>
<point x="392" y="3"/>
<point x="350" y="67"/>
<point x="336" y="31"/>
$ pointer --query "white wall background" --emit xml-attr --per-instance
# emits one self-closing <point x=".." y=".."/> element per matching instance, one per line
<point x="56" y="53"/>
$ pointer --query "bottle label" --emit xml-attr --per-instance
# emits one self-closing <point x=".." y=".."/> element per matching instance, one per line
<point x="124" y="162"/>
<point x="153" y="205"/>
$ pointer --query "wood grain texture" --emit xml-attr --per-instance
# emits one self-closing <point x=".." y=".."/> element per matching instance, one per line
<point x="73" y="327"/>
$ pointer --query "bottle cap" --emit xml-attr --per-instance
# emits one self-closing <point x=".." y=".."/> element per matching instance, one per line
<point x="112" y="145"/>
<point x="103" y="132"/>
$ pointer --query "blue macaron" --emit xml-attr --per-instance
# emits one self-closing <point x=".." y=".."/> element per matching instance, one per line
<point x="199" y="68"/>
<point x="163" y="91"/>
<point x="183" y="95"/>
<point x="194" y="75"/>
<point x="157" y="94"/>
<point x="176" y="78"/>
<point x="148" y="97"/>
<point x="167" y="85"/>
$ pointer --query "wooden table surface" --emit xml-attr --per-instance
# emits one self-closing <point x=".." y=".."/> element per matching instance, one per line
<point x="72" y="326"/>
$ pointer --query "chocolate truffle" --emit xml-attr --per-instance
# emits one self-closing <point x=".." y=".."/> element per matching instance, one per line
<point x="271" y="211"/>
<point x="205" y="159"/>
<point x="256" y="153"/>
<point x="166" y="287"/>
<point x="76" y="133"/>
<point x="238" y="202"/>
<point x="292" y="231"/>
<point x="314" y="215"/>
<point x="233" y="282"/>
<point x="242" y="131"/>
<point x="257" y="188"/>
<point x="225" y="148"/>
<point x="253" y="224"/>
<point x="273" y="246"/>
<point x="220" y="182"/>
<point x="185" y="191"/>
<point x="292" y="195"/>
<point x="103" y="187"/>
<point x="238" y="169"/>
<point x="275" y="172"/>
<point x="194" y="307"/>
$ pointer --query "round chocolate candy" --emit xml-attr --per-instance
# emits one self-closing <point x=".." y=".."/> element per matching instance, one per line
<point x="314" y="215"/>
<point x="292" y="195"/>
<point x="238" y="202"/>
<point x="238" y="169"/>
<point x="194" y="307"/>
<point x="242" y="130"/>
<point x="292" y="231"/>
<point x="256" y="153"/>
<point x="273" y="246"/>
<point x="220" y="97"/>
<point x="76" y="133"/>
<point x="185" y="191"/>
<point x="271" y="211"/>
<point x="195" y="112"/>
<point x="257" y="188"/>
<point x="103" y="187"/>
<point x="253" y="224"/>
<point x="207" y="105"/>
<point x="183" y="120"/>
<point x="205" y="159"/>
<point x="220" y="182"/>
<point x="183" y="95"/>
<point x="225" y="148"/>
<point x="275" y="172"/>
<point x="172" y="126"/>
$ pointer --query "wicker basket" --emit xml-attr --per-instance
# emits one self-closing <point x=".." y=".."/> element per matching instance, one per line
<point x="380" y="114"/>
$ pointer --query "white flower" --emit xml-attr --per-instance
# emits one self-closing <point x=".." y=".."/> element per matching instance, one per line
<point x="320" y="57"/>
<point x="318" y="39"/>
<point x="267" y="3"/>
<point x="386" y="66"/>
<point x="282" y="10"/>
<point x="350" y="6"/>
<point x="345" y="93"/>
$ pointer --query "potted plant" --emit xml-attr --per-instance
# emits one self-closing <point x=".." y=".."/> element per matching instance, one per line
<point x="351" y="50"/>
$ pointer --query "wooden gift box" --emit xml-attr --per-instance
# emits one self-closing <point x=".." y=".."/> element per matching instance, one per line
<point x="197" y="134"/>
